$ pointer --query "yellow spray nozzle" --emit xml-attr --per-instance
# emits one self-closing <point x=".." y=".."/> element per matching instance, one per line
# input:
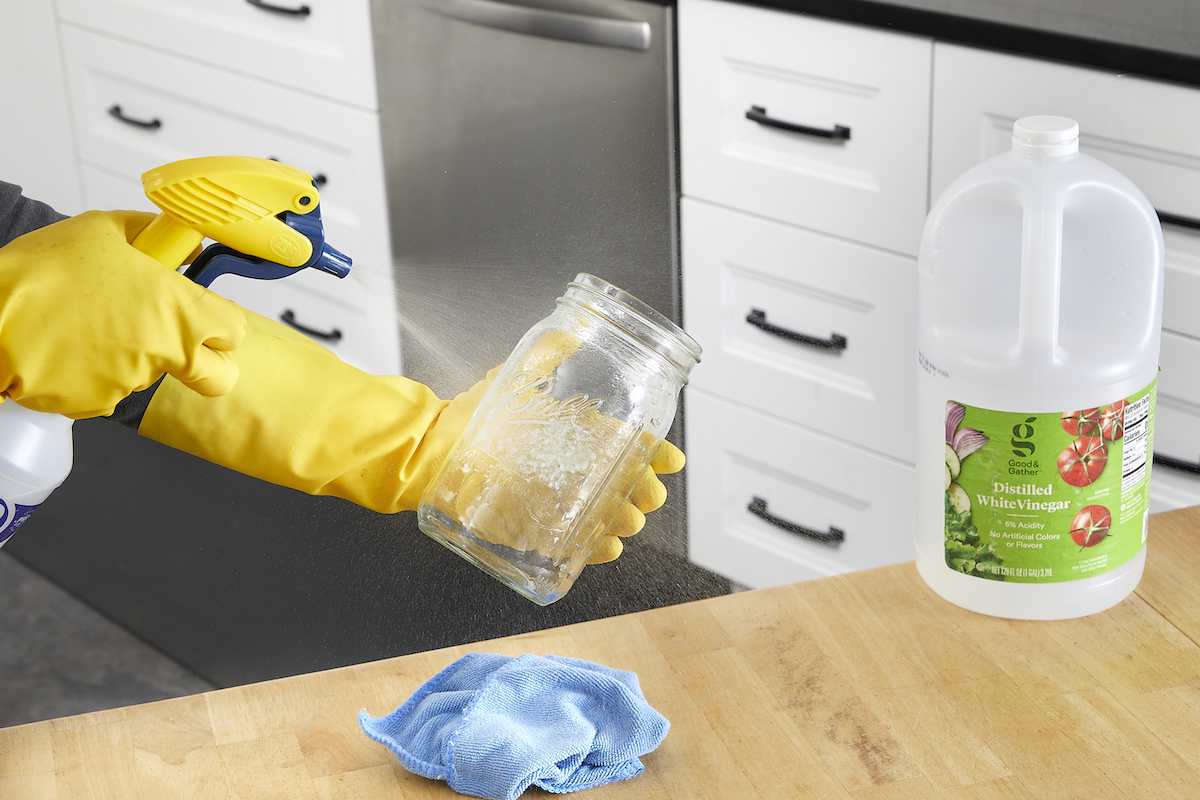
<point x="231" y="199"/>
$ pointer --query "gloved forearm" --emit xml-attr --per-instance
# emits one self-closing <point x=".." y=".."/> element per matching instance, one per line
<point x="302" y="418"/>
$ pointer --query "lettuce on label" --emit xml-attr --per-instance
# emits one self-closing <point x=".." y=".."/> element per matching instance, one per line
<point x="965" y="552"/>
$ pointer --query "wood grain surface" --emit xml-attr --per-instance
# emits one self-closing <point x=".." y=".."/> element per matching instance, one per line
<point x="862" y="686"/>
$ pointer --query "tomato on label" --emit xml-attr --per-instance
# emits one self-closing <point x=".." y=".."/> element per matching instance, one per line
<point x="1082" y="423"/>
<point x="1081" y="462"/>
<point x="1112" y="421"/>
<point x="1091" y="526"/>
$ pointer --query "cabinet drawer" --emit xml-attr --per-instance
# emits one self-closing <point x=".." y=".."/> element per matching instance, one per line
<point x="1177" y="420"/>
<point x="806" y="285"/>
<point x="871" y="187"/>
<point x="202" y="111"/>
<point x="805" y="480"/>
<point x="1144" y="128"/>
<point x="327" y="50"/>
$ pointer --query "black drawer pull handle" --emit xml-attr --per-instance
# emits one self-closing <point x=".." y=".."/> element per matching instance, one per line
<point x="297" y="11"/>
<point x="834" y="536"/>
<point x="288" y="317"/>
<point x="1176" y="219"/>
<point x="1177" y="463"/>
<point x="152" y="124"/>
<point x="835" y="342"/>
<point x="838" y="133"/>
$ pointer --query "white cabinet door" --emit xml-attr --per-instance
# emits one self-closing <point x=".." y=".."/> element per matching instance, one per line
<point x="318" y="46"/>
<point x="771" y="503"/>
<point x="859" y="170"/>
<point x="807" y="327"/>
<point x="1146" y="129"/>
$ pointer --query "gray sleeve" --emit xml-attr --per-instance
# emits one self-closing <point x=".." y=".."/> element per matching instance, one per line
<point x="20" y="215"/>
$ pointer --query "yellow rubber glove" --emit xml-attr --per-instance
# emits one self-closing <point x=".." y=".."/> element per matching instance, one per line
<point x="648" y="495"/>
<point x="302" y="418"/>
<point x="86" y="319"/>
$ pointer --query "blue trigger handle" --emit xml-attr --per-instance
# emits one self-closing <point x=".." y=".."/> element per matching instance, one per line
<point x="219" y="259"/>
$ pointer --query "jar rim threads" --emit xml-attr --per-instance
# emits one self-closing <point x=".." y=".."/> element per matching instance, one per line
<point x="635" y="317"/>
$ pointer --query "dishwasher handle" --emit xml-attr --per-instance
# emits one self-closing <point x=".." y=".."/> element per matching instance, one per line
<point x="563" y="25"/>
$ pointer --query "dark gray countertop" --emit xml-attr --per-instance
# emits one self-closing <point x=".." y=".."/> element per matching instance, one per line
<point x="1154" y="38"/>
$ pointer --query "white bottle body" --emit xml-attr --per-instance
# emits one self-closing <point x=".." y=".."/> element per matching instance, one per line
<point x="35" y="458"/>
<point x="1040" y="292"/>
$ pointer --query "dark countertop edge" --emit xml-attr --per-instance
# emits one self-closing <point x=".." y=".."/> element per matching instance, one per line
<point x="1001" y="37"/>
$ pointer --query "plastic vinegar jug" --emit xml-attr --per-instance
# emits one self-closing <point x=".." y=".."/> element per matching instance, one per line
<point x="1039" y="325"/>
<point x="35" y="458"/>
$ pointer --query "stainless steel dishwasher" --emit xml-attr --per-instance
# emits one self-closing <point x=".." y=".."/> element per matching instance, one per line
<point x="525" y="141"/>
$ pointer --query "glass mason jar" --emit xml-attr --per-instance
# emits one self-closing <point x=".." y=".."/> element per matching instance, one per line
<point x="560" y="439"/>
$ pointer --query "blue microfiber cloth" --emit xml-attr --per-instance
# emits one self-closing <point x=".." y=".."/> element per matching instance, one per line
<point x="492" y="726"/>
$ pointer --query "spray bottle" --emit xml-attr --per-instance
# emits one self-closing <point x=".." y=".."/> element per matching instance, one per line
<point x="35" y="458"/>
<point x="1040" y="314"/>
<point x="265" y="217"/>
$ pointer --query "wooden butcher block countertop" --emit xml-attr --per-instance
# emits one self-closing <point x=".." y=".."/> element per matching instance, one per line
<point x="861" y="686"/>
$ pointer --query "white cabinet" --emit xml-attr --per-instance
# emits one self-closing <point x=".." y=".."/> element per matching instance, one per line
<point x="1147" y="130"/>
<point x="805" y="182"/>
<point x="151" y="83"/>
<point x="799" y="274"/>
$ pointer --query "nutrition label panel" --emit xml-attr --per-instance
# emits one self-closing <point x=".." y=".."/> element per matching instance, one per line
<point x="1136" y="446"/>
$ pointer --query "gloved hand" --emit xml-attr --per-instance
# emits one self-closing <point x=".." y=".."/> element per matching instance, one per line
<point x="541" y="494"/>
<point x="302" y="418"/>
<point x="86" y="319"/>
<point x="648" y="495"/>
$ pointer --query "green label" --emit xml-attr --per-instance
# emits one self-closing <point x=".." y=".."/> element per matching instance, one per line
<point x="1050" y="497"/>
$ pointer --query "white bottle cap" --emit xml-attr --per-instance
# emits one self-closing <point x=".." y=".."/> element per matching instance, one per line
<point x="1045" y="136"/>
